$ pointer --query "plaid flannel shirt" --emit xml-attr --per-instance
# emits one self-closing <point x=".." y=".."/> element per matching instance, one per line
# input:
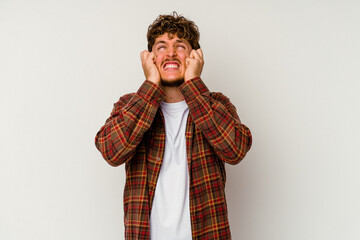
<point x="134" y="134"/>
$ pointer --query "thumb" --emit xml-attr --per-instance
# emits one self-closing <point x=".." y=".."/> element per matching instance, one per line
<point x="152" y="57"/>
<point x="188" y="61"/>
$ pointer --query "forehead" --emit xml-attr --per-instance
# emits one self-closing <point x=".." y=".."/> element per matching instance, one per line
<point x="170" y="38"/>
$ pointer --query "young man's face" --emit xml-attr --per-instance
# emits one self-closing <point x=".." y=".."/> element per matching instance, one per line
<point x="171" y="54"/>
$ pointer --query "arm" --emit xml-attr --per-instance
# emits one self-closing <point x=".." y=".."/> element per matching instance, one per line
<point x="214" y="114"/>
<point x="131" y="117"/>
<point x="216" y="117"/>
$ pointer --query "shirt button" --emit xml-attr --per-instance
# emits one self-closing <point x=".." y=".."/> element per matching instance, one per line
<point x="157" y="159"/>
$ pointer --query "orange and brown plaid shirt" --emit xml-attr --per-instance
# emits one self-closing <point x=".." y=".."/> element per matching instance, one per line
<point x="134" y="134"/>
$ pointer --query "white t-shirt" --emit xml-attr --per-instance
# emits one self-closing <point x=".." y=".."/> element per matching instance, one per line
<point x="170" y="214"/>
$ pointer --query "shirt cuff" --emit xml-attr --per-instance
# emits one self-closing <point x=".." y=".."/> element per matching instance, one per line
<point x="151" y="93"/>
<point x="193" y="88"/>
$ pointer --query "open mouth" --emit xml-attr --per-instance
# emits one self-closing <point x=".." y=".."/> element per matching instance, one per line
<point x="171" y="65"/>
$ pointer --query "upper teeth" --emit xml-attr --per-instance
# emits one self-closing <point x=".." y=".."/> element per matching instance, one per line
<point x="171" y="66"/>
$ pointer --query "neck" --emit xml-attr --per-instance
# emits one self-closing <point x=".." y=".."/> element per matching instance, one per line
<point x="173" y="95"/>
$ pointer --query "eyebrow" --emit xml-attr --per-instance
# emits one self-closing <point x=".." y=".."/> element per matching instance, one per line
<point x="156" y="43"/>
<point x="178" y="41"/>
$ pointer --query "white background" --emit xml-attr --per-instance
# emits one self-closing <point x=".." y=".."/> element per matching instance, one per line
<point x="290" y="67"/>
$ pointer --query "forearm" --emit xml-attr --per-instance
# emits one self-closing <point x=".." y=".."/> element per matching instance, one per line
<point x="216" y="117"/>
<point x="130" y="119"/>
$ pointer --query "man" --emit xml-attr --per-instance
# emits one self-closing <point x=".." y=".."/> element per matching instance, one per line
<point x="174" y="137"/>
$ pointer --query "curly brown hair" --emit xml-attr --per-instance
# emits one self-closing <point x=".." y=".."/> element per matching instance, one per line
<point x="175" y="25"/>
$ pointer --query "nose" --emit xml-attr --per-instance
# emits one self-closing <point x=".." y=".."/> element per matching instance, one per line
<point x="171" y="52"/>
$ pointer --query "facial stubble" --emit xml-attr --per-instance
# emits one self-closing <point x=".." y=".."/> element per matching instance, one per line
<point x="174" y="83"/>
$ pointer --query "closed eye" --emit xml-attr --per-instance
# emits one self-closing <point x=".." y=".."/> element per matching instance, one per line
<point x="181" y="47"/>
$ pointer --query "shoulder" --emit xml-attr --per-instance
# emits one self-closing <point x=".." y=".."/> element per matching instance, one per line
<point x="126" y="97"/>
<point x="123" y="100"/>
<point x="219" y="96"/>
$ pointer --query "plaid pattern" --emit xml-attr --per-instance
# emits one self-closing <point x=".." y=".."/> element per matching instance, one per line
<point x="135" y="135"/>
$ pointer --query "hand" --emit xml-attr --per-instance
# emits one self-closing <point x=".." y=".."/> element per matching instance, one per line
<point x="194" y="64"/>
<point x="150" y="70"/>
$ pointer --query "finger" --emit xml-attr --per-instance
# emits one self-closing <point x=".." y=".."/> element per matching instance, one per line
<point x="144" y="52"/>
<point x="196" y="54"/>
<point x="190" y="61"/>
<point x="152" y="56"/>
<point x="200" y="52"/>
<point x="199" y="55"/>
<point x="143" y="55"/>
<point x="192" y="54"/>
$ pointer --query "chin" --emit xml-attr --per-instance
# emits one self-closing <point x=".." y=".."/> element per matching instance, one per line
<point x="172" y="83"/>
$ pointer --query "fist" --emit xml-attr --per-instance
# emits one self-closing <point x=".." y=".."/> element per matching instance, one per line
<point x="150" y="70"/>
<point x="194" y="64"/>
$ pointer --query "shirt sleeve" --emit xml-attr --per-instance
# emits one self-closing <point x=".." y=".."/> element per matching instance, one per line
<point x="130" y="118"/>
<point x="216" y="117"/>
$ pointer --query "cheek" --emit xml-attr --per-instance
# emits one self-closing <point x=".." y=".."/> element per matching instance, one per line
<point x="183" y="56"/>
<point x="158" y="60"/>
<point x="158" y="64"/>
